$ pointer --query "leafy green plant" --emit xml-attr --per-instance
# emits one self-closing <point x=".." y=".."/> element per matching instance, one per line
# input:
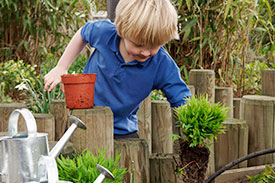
<point x="267" y="176"/>
<point x="218" y="35"/>
<point x="3" y="97"/>
<point x="200" y="120"/>
<point x="10" y="76"/>
<point x="82" y="168"/>
<point x="45" y="27"/>
<point x="157" y="95"/>
<point x="51" y="61"/>
<point x="39" y="100"/>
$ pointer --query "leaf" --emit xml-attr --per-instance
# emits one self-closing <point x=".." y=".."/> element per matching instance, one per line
<point x="188" y="3"/>
<point x="189" y="25"/>
<point x="174" y="137"/>
<point x="228" y="5"/>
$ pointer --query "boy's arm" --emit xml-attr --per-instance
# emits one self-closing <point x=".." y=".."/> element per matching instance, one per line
<point x="75" y="46"/>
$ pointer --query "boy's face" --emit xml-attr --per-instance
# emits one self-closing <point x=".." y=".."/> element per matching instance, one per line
<point x="139" y="52"/>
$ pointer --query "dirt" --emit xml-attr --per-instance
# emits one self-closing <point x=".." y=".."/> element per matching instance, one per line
<point x="193" y="162"/>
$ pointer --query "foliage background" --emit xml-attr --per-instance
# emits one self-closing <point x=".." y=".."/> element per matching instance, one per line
<point x="224" y="36"/>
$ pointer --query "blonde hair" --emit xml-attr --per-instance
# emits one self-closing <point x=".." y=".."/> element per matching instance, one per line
<point x="147" y="22"/>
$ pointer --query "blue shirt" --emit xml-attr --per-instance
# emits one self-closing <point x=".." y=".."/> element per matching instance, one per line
<point x="123" y="86"/>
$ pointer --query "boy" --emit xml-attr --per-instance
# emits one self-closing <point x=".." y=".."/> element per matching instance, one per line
<point x="129" y="60"/>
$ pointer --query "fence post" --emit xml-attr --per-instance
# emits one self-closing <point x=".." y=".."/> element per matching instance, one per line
<point x="99" y="132"/>
<point x="224" y="95"/>
<point x="268" y="82"/>
<point x="134" y="155"/>
<point x="162" y="127"/>
<point x="145" y="122"/>
<point x="232" y="144"/>
<point x="258" y="112"/>
<point x="60" y="112"/>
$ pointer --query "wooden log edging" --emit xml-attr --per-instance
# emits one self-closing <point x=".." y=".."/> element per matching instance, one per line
<point x="268" y="82"/>
<point x="144" y="122"/>
<point x="224" y="95"/>
<point x="45" y="124"/>
<point x="5" y="111"/>
<point x="232" y="144"/>
<point x="192" y="90"/>
<point x="60" y="112"/>
<point x="162" y="127"/>
<point x="204" y="82"/>
<point x="163" y="168"/>
<point x="99" y="133"/>
<point x="134" y="155"/>
<point x="258" y="112"/>
<point x="236" y="107"/>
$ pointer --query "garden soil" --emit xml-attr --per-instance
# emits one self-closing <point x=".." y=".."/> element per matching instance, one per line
<point x="193" y="162"/>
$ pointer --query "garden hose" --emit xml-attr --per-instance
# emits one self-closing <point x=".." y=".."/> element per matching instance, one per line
<point x="237" y="161"/>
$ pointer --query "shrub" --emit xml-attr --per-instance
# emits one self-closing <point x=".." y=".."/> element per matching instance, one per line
<point x="82" y="168"/>
<point x="10" y="77"/>
<point x="199" y="120"/>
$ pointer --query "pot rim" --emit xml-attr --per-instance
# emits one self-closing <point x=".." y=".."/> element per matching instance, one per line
<point x="78" y="78"/>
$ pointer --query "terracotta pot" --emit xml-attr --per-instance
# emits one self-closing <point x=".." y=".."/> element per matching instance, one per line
<point x="79" y="90"/>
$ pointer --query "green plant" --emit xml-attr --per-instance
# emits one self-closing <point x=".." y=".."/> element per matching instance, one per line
<point x="10" y="76"/>
<point x="39" y="100"/>
<point x="51" y="61"/>
<point x="157" y="95"/>
<point x="267" y="176"/>
<point x="82" y="168"/>
<point x="4" y="98"/>
<point x="218" y="34"/>
<point x="200" y="120"/>
<point x="253" y="77"/>
<point x="30" y="29"/>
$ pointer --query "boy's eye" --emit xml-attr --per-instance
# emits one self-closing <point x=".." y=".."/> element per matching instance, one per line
<point x="138" y="45"/>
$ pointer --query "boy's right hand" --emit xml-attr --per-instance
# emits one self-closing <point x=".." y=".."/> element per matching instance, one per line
<point x="53" y="78"/>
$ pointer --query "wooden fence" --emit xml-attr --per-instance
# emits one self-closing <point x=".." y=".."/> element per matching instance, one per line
<point x="152" y="157"/>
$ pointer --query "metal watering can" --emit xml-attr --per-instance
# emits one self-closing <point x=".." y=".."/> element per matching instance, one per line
<point x="25" y="156"/>
<point x="22" y="154"/>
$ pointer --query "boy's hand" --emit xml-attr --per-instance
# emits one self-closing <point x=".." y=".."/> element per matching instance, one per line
<point x="53" y="78"/>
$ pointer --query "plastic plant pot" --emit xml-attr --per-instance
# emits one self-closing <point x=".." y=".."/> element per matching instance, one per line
<point x="79" y="90"/>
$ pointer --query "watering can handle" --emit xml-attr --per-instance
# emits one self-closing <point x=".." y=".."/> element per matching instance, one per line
<point x="29" y="119"/>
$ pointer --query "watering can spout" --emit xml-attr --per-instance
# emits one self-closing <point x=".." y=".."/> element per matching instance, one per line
<point x="47" y="167"/>
<point x="76" y="123"/>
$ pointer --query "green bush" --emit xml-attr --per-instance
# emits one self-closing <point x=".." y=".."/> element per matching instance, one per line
<point x="10" y="77"/>
<point x="199" y="120"/>
<point x="82" y="168"/>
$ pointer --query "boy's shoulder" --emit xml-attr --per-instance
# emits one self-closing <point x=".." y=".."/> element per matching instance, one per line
<point x="103" y="21"/>
<point x="163" y="55"/>
<point x="99" y="25"/>
<point x="96" y="30"/>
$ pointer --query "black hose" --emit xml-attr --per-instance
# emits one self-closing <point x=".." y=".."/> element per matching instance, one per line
<point x="237" y="161"/>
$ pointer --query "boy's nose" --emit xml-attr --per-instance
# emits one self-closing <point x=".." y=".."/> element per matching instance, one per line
<point x="145" y="53"/>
